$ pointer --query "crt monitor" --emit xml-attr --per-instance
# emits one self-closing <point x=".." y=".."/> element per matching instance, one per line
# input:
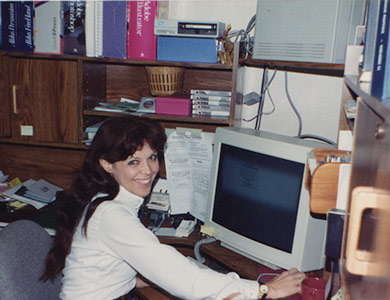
<point x="258" y="205"/>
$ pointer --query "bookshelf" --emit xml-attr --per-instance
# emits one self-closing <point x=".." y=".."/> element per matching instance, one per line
<point x="47" y="103"/>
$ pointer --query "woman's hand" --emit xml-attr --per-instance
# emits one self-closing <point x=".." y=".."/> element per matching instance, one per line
<point x="285" y="284"/>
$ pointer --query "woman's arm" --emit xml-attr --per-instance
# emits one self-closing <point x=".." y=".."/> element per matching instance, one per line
<point x="286" y="284"/>
<point x="140" y="283"/>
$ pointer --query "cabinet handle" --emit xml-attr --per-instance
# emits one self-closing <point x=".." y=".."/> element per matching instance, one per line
<point x="380" y="131"/>
<point x="372" y="262"/>
<point x="14" y="99"/>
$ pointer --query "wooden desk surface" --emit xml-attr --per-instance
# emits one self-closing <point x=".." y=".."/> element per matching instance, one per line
<point x="212" y="252"/>
<point x="244" y="266"/>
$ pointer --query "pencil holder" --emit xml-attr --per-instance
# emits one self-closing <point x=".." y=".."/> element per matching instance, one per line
<point x="165" y="81"/>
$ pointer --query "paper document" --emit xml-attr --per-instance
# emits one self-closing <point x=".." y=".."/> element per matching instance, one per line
<point x="188" y="159"/>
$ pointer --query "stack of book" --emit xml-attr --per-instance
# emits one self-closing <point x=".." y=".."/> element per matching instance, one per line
<point x="210" y="103"/>
<point x="90" y="132"/>
<point x="93" y="28"/>
<point x="36" y="193"/>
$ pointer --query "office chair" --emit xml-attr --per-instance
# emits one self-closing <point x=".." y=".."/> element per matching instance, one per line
<point x="23" y="248"/>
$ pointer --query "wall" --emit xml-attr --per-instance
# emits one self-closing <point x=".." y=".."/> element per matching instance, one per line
<point x="316" y="97"/>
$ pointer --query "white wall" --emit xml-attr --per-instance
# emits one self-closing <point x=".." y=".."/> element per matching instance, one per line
<point x="316" y="97"/>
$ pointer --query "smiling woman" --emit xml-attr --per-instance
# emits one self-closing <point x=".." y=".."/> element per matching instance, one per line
<point x="137" y="172"/>
<point x="101" y="246"/>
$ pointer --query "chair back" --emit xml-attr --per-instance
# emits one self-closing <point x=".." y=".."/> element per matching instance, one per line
<point x="23" y="247"/>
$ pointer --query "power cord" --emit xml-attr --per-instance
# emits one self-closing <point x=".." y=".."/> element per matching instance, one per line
<point x="199" y="243"/>
<point x="292" y="104"/>
<point x="264" y="89"/>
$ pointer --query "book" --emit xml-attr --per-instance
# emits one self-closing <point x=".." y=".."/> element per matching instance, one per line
<point x="98" y="28"/>
<point x="48" y="31"/>
<point x="205" y="112"/>
<point x="13" y="193"/>
<point x="94" y="28"/>
<point x="210" y="92"/>
<point x="117" y="107"/>
<point x="114" y="29"/>
<point x="211" y="102"/>
<point x="42" y="191"/>
<point x="379" y="86"/>
<point x="91" y="130"/>
<point x="9" y="25"/>
<point x="211" y="97"/>
<point x="210" y="107"/>
<point x="25" y="27"/>
<point x="370" y="39"/>
<point x="74" y="27"/>
<point x="90" y="28"/>
<point x="141" y="41"/>
<point x="1" y="27"/>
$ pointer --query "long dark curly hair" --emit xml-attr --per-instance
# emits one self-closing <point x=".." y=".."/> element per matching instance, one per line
<point x="116" y="140"/>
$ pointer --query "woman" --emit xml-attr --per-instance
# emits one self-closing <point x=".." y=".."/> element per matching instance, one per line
<point x="101" y="245"/>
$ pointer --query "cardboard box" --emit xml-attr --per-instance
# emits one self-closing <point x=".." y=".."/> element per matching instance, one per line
<point x="173" y="106"/>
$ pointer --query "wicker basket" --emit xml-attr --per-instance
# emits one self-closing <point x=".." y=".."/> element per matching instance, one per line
<point x="165" y="81"/>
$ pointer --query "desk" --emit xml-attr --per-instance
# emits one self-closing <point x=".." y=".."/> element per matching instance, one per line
<point x="213" y="252"/>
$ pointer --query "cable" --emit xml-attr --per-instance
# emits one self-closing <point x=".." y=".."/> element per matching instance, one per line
<point x="292" y="104"/>
<point x="261" y="100"/>
<point x="273" y="104"/>
<point x="264" y="113"/>
<point x="320" y="138"/>
<point x="199" y="243"/>
<point x="264" y="89"/>
<point x="243" y="35"/>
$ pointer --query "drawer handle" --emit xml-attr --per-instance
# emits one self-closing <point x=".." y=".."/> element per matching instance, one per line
<point x="380" y="131"/>
<point x="370" y="262"/>
<point x="14" y="99"/>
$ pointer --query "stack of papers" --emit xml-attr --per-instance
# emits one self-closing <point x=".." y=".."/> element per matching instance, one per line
<point x="36" y="193"/>
<point x="124" y="105"/>
<point x="158" y="201"/>
<point x="90" y="132"/>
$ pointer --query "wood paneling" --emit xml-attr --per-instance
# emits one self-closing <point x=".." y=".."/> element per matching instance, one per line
<point x="57" y="165"/>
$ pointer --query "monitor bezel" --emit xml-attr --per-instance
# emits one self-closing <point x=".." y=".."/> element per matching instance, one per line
<point x="308" y="246"/>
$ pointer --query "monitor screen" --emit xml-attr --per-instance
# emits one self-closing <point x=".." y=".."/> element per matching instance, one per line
<point x="258" y="205"/>
<point x="258" y="191"/>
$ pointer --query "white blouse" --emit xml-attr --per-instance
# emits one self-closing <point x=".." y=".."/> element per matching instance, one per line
<point x="104" y="264"/>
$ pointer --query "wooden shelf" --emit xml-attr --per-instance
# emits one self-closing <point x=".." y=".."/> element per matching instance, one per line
<point x="295" y="66"/>
<point x="222" y="121"/>
<point x="103" y="60"/>
<point x="362" y="90"/>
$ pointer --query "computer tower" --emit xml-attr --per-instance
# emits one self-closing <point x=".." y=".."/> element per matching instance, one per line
<point x="306" y="30"/>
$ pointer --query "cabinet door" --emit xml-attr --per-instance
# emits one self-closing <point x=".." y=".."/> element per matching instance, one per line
<point x="366" y="250"/>
<point x="5" y="120"/>
<point x="44" y="100"/>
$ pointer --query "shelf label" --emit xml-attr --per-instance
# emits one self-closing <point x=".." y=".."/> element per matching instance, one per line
<point x="26" y="130"/>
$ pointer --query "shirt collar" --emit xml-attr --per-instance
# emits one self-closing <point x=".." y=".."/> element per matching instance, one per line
<point x="127" y="198"/>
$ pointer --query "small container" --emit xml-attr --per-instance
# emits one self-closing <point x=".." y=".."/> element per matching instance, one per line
<point x="165" y="81"/>
<point x="173" y="106"/>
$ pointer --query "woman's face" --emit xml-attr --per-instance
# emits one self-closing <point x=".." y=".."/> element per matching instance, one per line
<point x="137" y="172"/>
